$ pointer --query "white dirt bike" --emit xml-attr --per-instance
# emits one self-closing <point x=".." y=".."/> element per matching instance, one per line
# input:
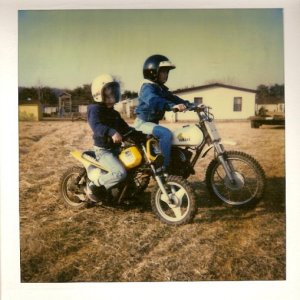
<point x="172" y="198"/>
<point x="232" y="176"/>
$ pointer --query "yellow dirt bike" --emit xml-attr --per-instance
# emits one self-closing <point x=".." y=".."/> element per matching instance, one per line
<point x="172" y="198"/>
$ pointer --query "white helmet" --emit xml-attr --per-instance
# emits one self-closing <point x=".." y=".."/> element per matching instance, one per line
<point x="105" y="81"/>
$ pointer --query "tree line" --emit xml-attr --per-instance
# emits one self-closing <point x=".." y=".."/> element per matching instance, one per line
<point x="272" y="94"/>
<point x="82" y="94"/>
<point x="49" y="96"/>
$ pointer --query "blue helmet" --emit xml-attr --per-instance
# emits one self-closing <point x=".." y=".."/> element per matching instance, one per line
<point x="153" y="64"/>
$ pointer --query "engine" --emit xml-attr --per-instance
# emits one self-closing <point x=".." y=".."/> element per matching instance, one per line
<point x="180" y="164"/>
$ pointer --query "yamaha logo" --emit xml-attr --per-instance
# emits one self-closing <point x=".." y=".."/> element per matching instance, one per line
<point x="181" y="138"/>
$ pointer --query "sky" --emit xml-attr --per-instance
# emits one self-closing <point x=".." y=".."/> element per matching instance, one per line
<point x="68" y="48"/>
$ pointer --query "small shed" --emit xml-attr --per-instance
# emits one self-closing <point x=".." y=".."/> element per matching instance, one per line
<point x="64" y="104"/>
<point x="30" y="110"/>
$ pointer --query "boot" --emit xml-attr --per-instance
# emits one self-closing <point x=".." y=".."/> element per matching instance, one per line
<point x="94" y="193"/>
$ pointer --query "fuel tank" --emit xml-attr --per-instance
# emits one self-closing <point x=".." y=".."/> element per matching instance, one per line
<point x="130" y="157"/>
<point x="188" y="135"/>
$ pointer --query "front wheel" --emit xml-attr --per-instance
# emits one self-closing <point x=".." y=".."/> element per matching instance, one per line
<point x="248" y="184"/>
<point x="180" y="207"/>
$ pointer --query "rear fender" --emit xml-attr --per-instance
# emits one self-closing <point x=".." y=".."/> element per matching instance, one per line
<point x="78" y="155"/>
<point x="87" y="160"/>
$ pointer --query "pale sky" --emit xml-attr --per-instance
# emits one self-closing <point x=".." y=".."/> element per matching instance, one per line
<point x="68" y="48"/>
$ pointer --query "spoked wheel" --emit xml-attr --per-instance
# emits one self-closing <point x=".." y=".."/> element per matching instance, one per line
<point x="180" y="207"/>
<point x="72" y="184"/>
<point x="248" y="184"/>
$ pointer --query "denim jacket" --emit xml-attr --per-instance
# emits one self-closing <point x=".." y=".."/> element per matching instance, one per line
<point x="154" y="101"/>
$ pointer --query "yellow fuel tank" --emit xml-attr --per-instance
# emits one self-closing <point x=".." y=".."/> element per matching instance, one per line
<point x="130" y="157"/>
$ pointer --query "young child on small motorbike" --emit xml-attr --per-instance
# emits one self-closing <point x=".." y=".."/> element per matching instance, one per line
<point x="154" y="100"/>
<point x="108" y="127"/>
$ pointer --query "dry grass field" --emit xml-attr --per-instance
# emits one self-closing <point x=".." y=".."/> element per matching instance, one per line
<point x="128" y="243"/>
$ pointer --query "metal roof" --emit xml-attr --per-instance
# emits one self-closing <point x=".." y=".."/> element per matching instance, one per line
<point x="212" y="85"/>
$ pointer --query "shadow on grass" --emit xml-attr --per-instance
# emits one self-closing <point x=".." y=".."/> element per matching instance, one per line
<point x="211" y="210"/>
<point x="272" y="202"/>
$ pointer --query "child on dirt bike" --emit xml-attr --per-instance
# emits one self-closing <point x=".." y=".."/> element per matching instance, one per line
<point x="154" y="100"/>
<point x="108" y="127"/>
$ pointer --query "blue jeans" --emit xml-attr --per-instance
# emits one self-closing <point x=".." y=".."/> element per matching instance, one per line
<point x="163" y="134"/>
<point x="109" y="161"/>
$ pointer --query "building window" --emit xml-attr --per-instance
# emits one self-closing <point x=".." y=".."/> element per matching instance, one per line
<point x="237" y="104"/>
<point x="198" y="100"/>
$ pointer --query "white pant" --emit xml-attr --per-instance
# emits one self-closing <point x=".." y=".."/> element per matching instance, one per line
<point x="109" y="161"/>
<point x="145" y="127"/>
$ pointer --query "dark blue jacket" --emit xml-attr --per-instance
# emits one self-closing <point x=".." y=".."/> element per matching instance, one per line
<point x="105" y="122"/>
<point x="154" y="101"/>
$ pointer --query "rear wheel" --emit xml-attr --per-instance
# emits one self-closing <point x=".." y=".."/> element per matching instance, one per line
<point x="180" y="207"/>
<point x="249" y="180"/>
<point x="71" y="187"/>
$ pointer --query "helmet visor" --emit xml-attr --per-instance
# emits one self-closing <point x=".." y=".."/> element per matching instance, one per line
<point x="166" y="64"/>
<point x="111" y="90"/>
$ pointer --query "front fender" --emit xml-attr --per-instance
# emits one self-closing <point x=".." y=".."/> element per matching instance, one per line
<point x="206" y="151"/>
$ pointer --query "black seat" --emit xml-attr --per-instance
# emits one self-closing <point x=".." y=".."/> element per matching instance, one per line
<point x="90" y="153"/>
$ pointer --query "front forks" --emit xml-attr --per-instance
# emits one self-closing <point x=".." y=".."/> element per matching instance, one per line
<point x="157" y="177"/>
<point x="160" y="182"/>
<point x="221" y="155"/>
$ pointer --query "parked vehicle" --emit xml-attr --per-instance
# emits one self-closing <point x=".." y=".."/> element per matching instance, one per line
<point x="172" y="198"/>
<point x="234" y="177"/>
<point x="258" y="121"/>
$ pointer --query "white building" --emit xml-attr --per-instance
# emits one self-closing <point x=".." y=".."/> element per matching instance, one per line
<point x="50" y="110"/>
<point x="227" y="102"/>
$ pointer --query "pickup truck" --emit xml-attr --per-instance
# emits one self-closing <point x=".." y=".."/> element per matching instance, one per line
<point x="257" y="121"/>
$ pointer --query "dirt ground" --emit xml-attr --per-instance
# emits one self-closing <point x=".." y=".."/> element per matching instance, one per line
<point x="129" y="244"/>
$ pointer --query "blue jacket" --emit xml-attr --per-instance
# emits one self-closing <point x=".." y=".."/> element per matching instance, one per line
<point x="154" y="101"/>
<point x="105" y="122"/>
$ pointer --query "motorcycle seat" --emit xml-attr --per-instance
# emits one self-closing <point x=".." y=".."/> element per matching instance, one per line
<point x="90" y="153"/>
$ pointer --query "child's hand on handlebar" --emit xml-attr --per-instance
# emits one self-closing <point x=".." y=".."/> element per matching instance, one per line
<point x="180" y="107"/>
<point x="117" y="138"/>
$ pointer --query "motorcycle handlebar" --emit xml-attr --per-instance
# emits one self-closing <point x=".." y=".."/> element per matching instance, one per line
<point x="193" y="107"/>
